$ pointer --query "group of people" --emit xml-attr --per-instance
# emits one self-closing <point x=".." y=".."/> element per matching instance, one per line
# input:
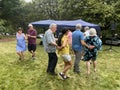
<point x="84" y="45"/>
<point x="88" y="42"/>
<point x="21" y="42"/>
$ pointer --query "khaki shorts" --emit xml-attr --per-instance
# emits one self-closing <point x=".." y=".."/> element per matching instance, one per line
<point x="66" y="57"/>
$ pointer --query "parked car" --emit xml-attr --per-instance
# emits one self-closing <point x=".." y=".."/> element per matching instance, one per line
<point x="40" y="35"/>
<point x="41" y="38"/>
<point x="112" y="41"/>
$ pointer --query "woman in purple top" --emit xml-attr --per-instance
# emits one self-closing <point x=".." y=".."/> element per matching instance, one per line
<point x="21" y="44"/>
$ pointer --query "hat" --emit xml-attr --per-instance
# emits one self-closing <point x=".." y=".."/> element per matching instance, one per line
<point x="92" y="32"/>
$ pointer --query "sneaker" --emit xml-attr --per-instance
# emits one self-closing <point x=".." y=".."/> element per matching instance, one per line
<point x="67" y="77"/>
<point x="61" y="76"/>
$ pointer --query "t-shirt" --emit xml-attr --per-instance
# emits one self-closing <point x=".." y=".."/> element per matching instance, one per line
<point x="32" y="33"/>
<point x="70" y="38"/>
<point x="77" y="36"/>
<point x="86" y="33"/>
<point x="49" y="38"/>
<point x="64" y="50"/>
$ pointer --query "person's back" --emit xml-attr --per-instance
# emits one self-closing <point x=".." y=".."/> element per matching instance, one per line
<point x="70" y="38"/>
<point x="76" y="37"/>
<point x="77" y="42"/>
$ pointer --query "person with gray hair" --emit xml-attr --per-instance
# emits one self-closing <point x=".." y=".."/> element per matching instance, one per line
<point x="86" y="31"/>
<point x="77" y="43"/>
<point x="31" y="36"/>
<point x="89" y="55"/>
<point x="50" y="47"/>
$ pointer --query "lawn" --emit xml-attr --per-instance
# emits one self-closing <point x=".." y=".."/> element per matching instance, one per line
<point x="31" y="75"/>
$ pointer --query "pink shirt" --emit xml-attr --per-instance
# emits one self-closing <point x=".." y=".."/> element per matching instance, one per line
<point x="70" y="38"/>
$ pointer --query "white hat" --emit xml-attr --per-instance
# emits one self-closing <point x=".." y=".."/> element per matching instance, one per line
<point x="92" y="32"/>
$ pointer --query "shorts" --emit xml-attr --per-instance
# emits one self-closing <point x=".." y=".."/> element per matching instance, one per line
<point x="66" y="57"/>
<point x="32" y="47"/>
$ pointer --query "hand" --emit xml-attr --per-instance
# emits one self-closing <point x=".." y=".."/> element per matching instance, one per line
<point x="28" y="35"/>
<point x="91" y="47"/>
<point x="58" y="47"/>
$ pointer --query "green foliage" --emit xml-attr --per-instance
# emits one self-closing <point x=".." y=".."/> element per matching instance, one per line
<point x="19" y="13"/>
<point x="2" y="27"/>
<point x="31" y="75"/>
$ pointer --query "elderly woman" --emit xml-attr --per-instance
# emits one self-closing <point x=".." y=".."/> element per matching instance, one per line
<point x="21" y="44"/>
<point x="91" y="54"/>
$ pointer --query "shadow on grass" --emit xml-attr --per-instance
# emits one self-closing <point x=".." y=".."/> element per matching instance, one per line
<point x="27" y="64"/>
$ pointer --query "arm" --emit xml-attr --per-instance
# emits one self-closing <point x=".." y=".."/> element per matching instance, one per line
<point x="64" y="44"/>
<point x="31" y="36"/>
<point x="84" y="44"/>
<point x="50" y="40"/>
<point x="25" y="37"/>
<point x="34" y="34"/>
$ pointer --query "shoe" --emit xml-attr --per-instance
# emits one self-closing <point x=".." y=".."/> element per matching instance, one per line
<point x="76" y="71"/>
<point x="52" y="73"/>
<point x="62" y="76"/>
<point x="67" y="77"/>
<point x="19" y="58"/>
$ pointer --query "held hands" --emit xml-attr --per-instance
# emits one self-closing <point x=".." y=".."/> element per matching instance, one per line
<point x="27" y="35"/>
<point x="91" y="47"/>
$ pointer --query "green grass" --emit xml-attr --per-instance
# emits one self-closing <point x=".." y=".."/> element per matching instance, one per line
<point x="31" y="75"/>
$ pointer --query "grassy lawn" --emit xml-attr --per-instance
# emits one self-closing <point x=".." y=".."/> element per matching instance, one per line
<point x="31" y="75"/>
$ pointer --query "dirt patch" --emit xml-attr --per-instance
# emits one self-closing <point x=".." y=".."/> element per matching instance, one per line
<point x="7" y="39"/>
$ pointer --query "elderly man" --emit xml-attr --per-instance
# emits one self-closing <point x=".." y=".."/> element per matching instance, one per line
<point x="32" y="34"/>
<point x="77" y="43"/>
<point x="50" y="47"/>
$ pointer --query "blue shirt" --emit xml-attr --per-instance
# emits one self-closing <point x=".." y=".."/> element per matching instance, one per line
<point x="77" y="36"/>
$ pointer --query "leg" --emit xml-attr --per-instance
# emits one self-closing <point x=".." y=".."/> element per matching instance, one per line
<point x="77" y="61"/>
<point x="65" y="64"/>
<point x="49" y="62"/>
<point x="33" y="50"/>
<point x="68" y="65"/>
<point x="20" y="55"/>
<point x="88" y="67"/>
<point x="54" y="62"/>
<point x="94" y="65"/>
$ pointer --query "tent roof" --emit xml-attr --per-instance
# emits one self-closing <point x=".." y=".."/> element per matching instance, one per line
<point x="65" y="23"/>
